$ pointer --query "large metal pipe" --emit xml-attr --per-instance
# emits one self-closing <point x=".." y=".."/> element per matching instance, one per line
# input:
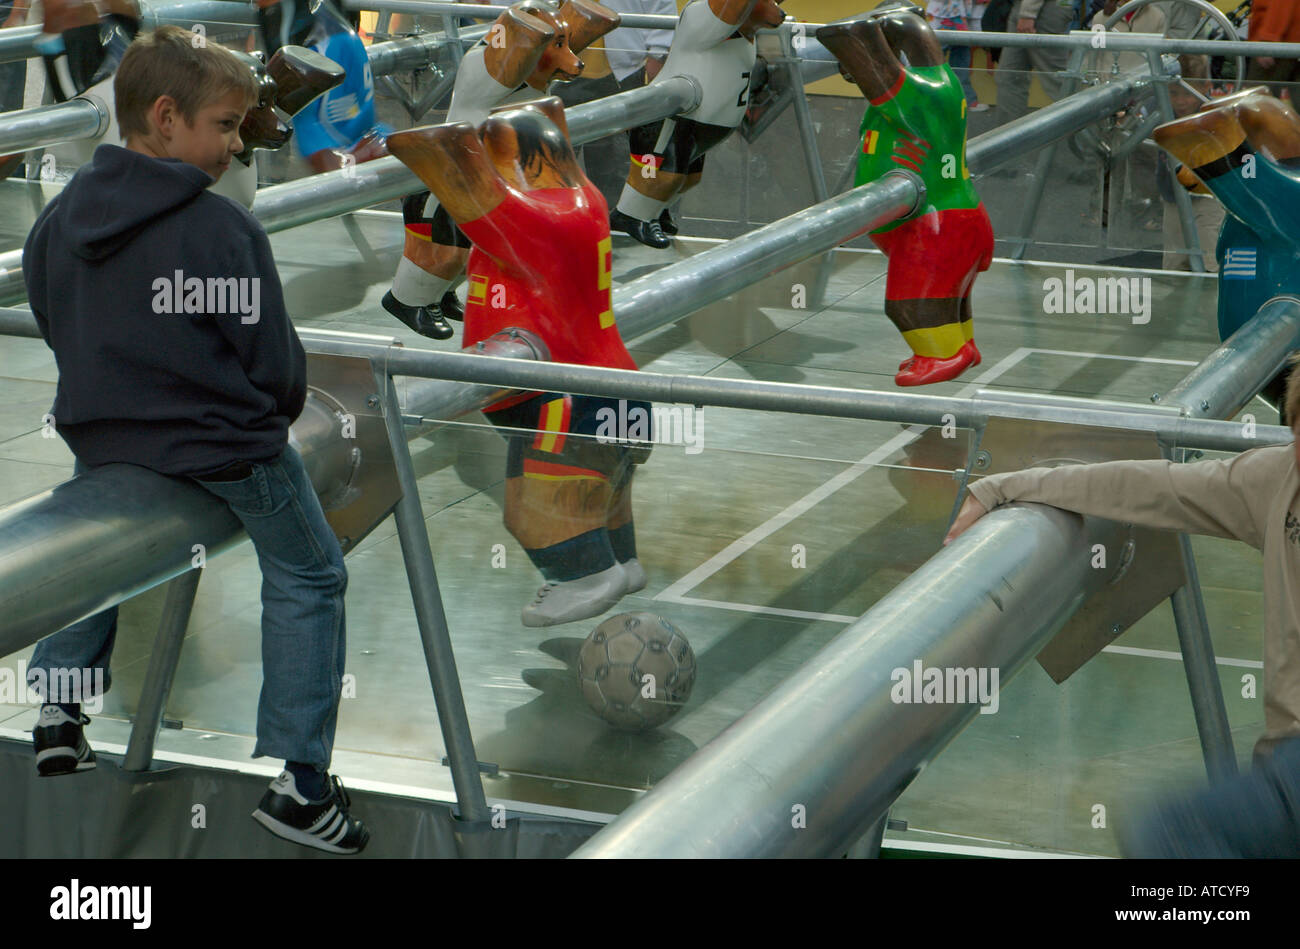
<point x="486" y="379"/>
<point x="829" y="745"/>
<point x="17" y="43"/>
<point x="336" y="192"/>
<point x="82" y="117"/>
<point x="349" y="189"/>
<point x="831" y="740"/>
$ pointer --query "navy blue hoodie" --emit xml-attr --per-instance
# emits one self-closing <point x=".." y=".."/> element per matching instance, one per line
<point x="165" y="313"/>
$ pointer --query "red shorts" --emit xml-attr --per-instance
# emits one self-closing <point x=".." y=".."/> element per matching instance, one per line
<point x="937" y="256"/>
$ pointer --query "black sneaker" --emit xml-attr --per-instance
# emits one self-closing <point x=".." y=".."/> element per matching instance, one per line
<point x="647" y="232"/>
<point x="324" y="824"/>
<point x="667" y="224"/>
<point x="451" y="308"/>
<point x="419" y="318"/>
<point x="61" y="747"/>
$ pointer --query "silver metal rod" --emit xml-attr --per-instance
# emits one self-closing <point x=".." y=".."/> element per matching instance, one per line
<point x="1197" y="648"/>
<point x="829" y="744"/>
<point x="465" y="383"/>
<point x="1118" y="43"/>
<point x="430" y="617"/>
<point x="283" y="206"/>
<point x="337" y="192"/>
<point x="1115" y="42"/>
<point x="489" y="12"/>
<point x="162" y="670"/>
<point x="82" y="117"/>
<point x="18" y="43"/>
<point x="1231" y="376"/>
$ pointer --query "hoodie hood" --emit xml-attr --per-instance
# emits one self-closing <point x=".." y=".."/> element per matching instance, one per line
<point x="118" y="193"/>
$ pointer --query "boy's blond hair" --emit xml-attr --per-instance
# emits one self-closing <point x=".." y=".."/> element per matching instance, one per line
<point x="174" y="62"/>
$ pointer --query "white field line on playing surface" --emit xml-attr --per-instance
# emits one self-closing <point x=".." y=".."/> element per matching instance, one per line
<point x="676" y="592"/>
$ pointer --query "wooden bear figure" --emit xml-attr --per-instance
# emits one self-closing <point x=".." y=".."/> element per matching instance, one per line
<point x="529" y="45"/>
<point x="541" y="263"/>
<point x="714" y="45"/>
<point x="1244" y="148"/>
<point x="916" y="123"/>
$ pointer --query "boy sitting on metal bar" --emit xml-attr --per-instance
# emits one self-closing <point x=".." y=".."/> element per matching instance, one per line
<point x="163" y="307"/>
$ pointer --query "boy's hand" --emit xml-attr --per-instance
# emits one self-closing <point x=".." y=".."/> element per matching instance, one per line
<point x="970" y="512"/>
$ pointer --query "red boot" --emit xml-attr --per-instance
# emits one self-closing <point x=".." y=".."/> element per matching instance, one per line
<point x="926" y="370"/>
<point x="971" y="343"/>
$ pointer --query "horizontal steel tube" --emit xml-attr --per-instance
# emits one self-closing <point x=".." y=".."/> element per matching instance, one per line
<point x="467" y="383"/>
<point x="118" y="530"/>
<point x="489" y="12"/>
<point x="453" y="369"/>
<point x="1015" y="139"/>
<point x="830" y="739"/>
<point x="1118" y="43"/>
<point x="1230" y="376"/>
<point x="310" y="199"/>
<point x="17" y="43"/>
<point x="50" y="124"/>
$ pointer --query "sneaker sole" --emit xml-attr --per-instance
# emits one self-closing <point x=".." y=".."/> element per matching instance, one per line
<point x="56" y="761"/>
<point x="294" y="835"/>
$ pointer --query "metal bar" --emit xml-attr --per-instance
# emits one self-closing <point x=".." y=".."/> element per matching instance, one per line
<point x="82" y="117"/>
<point x="1231" y="376"/>
<point x="474" y="381"/>
<point x="310" y="199"/>
<point x="1202" y="672"/>
<point x="162" y="670"/>
<point x="413" y="535"/>
<point x="1115" y="42"/>
<point x="1182" y="200"/>
<point x="18" y="42"/>
<point x="829" y="739"/>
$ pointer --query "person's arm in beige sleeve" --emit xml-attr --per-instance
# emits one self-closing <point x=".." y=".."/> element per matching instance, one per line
<point x="1226" y="498"/>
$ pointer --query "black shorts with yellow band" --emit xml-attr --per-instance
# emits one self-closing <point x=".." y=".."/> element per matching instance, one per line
<point x="573" y="437"/>
<point x="433" y="225"/>
<point x="684" y="150"/>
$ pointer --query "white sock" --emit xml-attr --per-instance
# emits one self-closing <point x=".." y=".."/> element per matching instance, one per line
<point x="414" y="286"/>
<point x="642" y="207"/>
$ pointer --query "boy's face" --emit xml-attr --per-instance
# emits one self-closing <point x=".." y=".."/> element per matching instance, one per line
<point x="212" y="141"/>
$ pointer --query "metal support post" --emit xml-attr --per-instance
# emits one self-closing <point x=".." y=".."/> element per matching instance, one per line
<point x="1182" y="200"/>
<point x="162" y="669"/>
<point x="413" y="535"/>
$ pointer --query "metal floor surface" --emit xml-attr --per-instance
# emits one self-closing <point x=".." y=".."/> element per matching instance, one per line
<point x="717" y="531"/>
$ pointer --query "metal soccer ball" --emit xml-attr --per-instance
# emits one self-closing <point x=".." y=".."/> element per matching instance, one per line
<point x="636" y="670"/>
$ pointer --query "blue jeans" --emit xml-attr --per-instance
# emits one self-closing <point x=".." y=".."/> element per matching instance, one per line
<point x="1252" y="815"/>
<point x="303" y="638"/>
